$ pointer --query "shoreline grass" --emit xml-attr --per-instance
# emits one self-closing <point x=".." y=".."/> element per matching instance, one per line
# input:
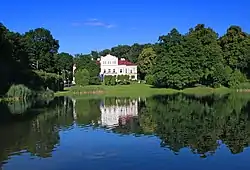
<point x="142" y="90"/>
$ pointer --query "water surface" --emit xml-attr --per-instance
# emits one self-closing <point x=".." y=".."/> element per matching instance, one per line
<point x="159" y="132"/>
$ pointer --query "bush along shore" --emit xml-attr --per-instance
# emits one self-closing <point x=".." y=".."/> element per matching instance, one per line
<point x="42" y="85"/>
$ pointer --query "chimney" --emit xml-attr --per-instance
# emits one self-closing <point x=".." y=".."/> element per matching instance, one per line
<point x="122" y="59"/>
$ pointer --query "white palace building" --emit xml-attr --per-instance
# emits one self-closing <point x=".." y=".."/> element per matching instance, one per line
<point x="111" y="65"/>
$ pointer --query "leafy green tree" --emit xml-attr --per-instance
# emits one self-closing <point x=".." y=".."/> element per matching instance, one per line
<point x="120" y="51"/>
<point x="94" y="54"/>
<point x="42" y="48"/>
<point x="205" y="56"/>
<point x="134" y="52"/>
<point x="64" y="65"/>
<point x="82" y="77"/>
<point x="86" y="62"/>
<point x="104" y="52"/>
<point x="235" y="45"/>
<point x="150" y="79"/>
<point x="183" y="61"/>
<point x="236" y="78"/>
<point x="64" y="61"/>
<point x="146" y="60"/>
<point x="169" y="69"/>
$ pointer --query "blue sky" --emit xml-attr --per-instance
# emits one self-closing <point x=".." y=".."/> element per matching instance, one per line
<point x="85" y="25"/>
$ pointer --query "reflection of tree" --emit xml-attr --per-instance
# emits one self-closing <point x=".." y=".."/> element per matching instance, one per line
<point x="184" y="121"/>
<point x="19" y="107"/>
<point x="131" y="126"/>
<point x="40" y="134"/>
<point x="194" y="122"/>
<point x="117" y="101"/>
<point x="88" y="111"/>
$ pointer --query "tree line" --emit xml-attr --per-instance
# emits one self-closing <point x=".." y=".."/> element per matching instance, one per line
<point x="32" y="60"/>
<point x="198" y="57"/>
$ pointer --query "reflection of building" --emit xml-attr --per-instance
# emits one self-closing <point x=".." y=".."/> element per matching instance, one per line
<point x="112" y="115"/>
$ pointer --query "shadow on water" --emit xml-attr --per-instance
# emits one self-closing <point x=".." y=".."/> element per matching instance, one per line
<point x="201" y="124"/>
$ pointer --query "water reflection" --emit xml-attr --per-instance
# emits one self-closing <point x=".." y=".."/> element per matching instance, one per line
<point x="200" y="124"/>
<point x="39" y="135"/>
<point x="115" y="112"/>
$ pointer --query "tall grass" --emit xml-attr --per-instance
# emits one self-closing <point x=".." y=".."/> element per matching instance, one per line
<point x="19" y="91"/>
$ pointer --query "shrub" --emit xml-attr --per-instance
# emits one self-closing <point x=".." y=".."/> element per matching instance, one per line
<point x="94" y="81"/>
<point x="82" y="77"/>
<point x="113" y="80"/>
<point x="45" y="94"/>
<point x="236" y="78"/>
<point x="50" y="81"/>
<point x="245" y="85"/>
<point x="110" y="80"/>
<point x="19" y="91"/>
<point x="149" y="79"/>
<point x="123" y="79"/>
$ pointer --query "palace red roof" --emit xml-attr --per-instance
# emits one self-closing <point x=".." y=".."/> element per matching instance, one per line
<point x="125" y="62"/>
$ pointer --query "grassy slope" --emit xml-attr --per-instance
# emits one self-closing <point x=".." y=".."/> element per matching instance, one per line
<point x="141" y="90"/>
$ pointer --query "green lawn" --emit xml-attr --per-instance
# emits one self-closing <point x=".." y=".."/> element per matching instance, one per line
<point x="135" y="90"/>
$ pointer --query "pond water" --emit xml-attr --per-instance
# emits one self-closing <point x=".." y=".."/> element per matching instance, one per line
<point x="158" y="132"/>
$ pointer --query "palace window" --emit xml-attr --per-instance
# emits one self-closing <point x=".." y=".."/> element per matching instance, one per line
<point x="120" y="70"/>
<point x="113" y="70"/>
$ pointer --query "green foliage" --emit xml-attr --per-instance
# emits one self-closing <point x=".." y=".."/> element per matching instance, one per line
<point x="82" y="77"/>
<point x="245" y="85"/>
<point x="86" y="62"/>
<point x="94" y="81"/>
<point x="236" y="78"/>
<point x="196" y="58"/>
<point x="110" y="80"/>
<point x="146" y="60"/>
<point x="150" y="79"/>
<point x="19" y="91"/>
<point x="42" y="47"/>
<point x="64" y="65"/>
<point x="235" y="45"/>
<point x="21" y="53"/>
<point x="123" y="79"/>
<point x="50" y="81"/>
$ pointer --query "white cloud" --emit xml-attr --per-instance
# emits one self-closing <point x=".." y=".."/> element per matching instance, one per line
<point x="95" y="22"/>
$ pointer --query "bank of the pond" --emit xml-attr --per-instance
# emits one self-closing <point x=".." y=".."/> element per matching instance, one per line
<point x="137" y="90"/>
<point x="20" y="96"/>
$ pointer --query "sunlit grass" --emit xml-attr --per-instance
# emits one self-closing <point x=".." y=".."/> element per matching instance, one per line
<point x="142" y="90"/>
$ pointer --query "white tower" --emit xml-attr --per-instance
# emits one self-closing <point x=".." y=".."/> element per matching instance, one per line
<point x="74" y="68"/>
